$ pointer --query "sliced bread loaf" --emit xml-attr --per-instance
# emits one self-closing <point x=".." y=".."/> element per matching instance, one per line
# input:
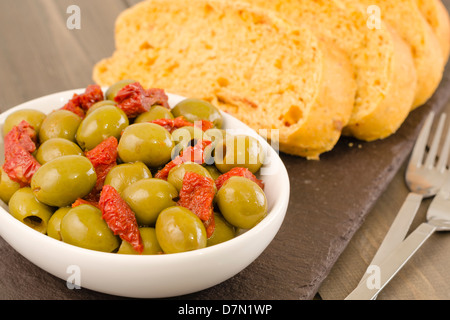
<point x="265" y="71"/>
<point x="405" y="17"/>
<point x="382" y="62"/>
<point x="437" y="17"/>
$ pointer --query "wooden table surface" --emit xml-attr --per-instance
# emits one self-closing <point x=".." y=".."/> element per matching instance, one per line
<point x="40" y="54"/>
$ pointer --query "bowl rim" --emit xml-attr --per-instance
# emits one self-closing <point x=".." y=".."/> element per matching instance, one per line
<point x="277" y="212"/>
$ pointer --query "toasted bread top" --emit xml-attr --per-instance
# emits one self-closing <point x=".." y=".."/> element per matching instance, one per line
<point x="382" y="62"/>
<point x="266" y="71"/>
<point x="405" y="17"/>
<point x="437" y="17"/>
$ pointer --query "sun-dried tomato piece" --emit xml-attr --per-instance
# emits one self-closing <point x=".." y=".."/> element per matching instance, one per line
<point x="22" y="134"/>
<point x="120" y="218"/>
<point x="79" y="104"/>
<point x="74" y="106"/>
<point x="134" y="100"/>
<point x="79" y="202"/>
<point x="164" y="172"/>
<point x="191" y="154"/>
<point x="172" y="124"/>
<point x="197" y="194"/>
<point x="20" y="165"/>
<point x="91" y="96"/>
<point x="159" y="97"/>
<point x="240" y="172"/>
<point x="210" y="226"/>
<point x="103" y="157"/>
<point x="104" y="154"/>
<point x="206" y="125"/>
<point x="196" y="153"/>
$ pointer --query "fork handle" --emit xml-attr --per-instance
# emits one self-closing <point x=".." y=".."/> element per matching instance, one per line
<point x="392" y="264"/>
<point x="399" y="228"/>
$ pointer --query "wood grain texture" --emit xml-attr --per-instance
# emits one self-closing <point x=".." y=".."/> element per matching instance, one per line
<point x="330" y="198"/>
<point x="39" y="55"/>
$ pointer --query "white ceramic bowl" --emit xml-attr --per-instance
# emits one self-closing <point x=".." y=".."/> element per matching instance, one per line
<point x="150" y="276"/>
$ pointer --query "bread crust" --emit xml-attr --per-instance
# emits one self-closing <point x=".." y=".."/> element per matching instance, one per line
<point x="418" y="34"/>
<point x="430" y="68"/>
<point x="437" y="17"/>
<point x="337" y="89"/>
<point x="397" y="100"/>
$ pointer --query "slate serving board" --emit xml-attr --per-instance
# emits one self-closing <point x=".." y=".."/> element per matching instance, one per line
<point x="329" y="201"/>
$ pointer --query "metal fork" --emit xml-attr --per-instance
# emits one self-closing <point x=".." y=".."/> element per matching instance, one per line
<point x="424" y="178"/>
<point x="438" y="219"/>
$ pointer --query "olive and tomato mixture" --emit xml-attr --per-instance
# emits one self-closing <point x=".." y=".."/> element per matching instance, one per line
<point x="122" y="172"/>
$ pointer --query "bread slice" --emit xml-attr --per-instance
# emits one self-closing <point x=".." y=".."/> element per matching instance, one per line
<point x="437" y="17"/>
<point x="268" y="73"/>
<point x="405" y="17"/>
<point x="382" y="62"/>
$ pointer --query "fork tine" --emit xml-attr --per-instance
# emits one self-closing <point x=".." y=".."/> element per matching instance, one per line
<point x="421" y="143"/>
<point x="431" y="158"/>
<point x="444" y="156"/>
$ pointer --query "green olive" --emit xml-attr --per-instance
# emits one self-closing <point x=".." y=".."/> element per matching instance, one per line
<point x="239" y="151"/>
<point x="125" y="174"/>
<point x="213" y="171"/>
<point x="26" y="208"/>
<point x="215" y="136"/>
<point x="112" y="91"/>
<point x="54" y="224"/>
<point x="185" y="137"/>
<point x="148" y="197"/>
<point x="100" y="104"/>
<point x="63" y="180"/>
<point x="55" y="148"/>
<point x="151" y="245"/>
<point x="59" y="124"/>
<point x="100" y="124"/>
<point x="179" y="230"/>
<point x="242" y="202"/>
<point x="196" y="110"/>
<point x="188" y="136"/>
<point x="176" y="175"/>
<point x="223" y="231"/>
<point x="155" y="112"/>
<point x="33" y="117"/>
<point x="7" y="186"/>
<point x="83" y="226"/>
<point x="146" y="142"/>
